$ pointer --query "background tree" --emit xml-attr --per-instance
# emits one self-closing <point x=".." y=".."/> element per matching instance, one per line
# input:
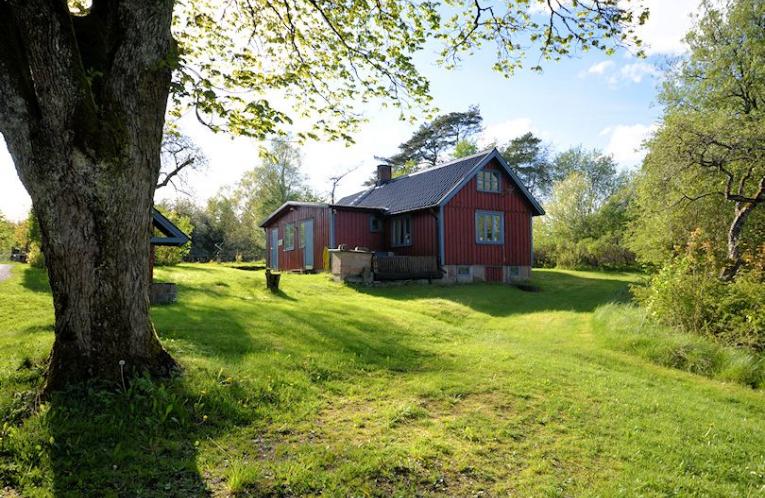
<point x="587" y="215"/>
<point x="464" y="148"/>
<point x="529" y="157"/>
<point x="180" y="155"/>
<point x="279" y="178"/>
<point x="432" y="140"/>
<point x="7" y="239"/>
<point x="599" y="169"/>
<point x="83" y="97"/>
<point x="711" y="143"/>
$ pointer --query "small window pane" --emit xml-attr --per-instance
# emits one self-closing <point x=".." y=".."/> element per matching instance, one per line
<point x="401" y="234"/>
<point x="489" y="228"/>
<point x="289" y="237"/>
<point x="488" y="181"/>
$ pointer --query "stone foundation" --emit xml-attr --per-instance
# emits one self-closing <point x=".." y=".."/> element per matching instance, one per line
<point x="464" y="274"/>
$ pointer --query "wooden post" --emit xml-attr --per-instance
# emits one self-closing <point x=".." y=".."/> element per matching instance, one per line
<point x="272" y="280"/>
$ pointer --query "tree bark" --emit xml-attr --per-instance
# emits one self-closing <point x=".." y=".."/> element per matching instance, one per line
<point x="82" y="104"/>
<point x="742" y="212"/>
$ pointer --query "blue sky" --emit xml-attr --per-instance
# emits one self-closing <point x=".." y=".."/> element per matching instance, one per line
<point x="594" y="100"/>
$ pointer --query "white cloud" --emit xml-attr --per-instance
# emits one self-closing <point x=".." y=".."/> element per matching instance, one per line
<point x="639" y="70"/>
<point x="504" y="131"/>
<point x="626" y="142"/>
<point x="667" y="25"/>
<point x="600" y="67"/>
<point x="14" y="201"/>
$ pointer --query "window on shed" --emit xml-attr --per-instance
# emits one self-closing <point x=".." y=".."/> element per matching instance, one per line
<point x="489" y="227"/>
<point x="301" y="235"/>
<point x="375" y="223"/>
<point x="488" y="181"/>
<point x="401" y="231"/>
<point x="289" y="237"/>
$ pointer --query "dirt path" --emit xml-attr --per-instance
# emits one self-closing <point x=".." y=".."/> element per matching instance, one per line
<point x="5" y="272"/>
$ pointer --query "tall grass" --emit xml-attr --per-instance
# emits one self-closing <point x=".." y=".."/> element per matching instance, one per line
<point x="628" y="328"/>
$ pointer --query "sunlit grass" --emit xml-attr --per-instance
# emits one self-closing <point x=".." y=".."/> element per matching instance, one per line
<point x="410" y="390"/>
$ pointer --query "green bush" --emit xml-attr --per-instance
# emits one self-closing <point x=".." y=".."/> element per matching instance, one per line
<point x="630" y="329"/>
<point x="605" y="252"/>
<point x="687" y="294"/>
<point x="35" y="257"/>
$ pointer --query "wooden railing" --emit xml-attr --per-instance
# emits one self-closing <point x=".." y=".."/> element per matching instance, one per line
<point x="405" y="267"/>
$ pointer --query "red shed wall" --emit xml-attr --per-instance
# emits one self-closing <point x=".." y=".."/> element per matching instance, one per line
<point x="293" y="260"/>
<point x="460" y="247"/>
<point x="352" y="229"/>
<point x="424" y="235"/>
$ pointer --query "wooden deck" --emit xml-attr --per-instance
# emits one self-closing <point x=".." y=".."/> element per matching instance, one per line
<point x="405" y="267"/>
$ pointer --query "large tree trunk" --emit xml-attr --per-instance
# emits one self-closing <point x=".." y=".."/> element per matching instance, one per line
<point x="742" y="212"/>
<point x="82" y="103"/>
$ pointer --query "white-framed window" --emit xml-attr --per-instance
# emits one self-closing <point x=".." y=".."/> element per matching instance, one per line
<point x="401" y="231"/>
<point x="489" y="181"/>
<point x="301" y="235"/>
<point x="289" y="237"/>
<point x="489" y="227"/>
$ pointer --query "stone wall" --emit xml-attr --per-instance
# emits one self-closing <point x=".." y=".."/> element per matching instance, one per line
<point x="477" y="273"/>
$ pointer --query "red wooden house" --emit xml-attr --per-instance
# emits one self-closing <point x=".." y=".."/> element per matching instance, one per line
<point x="472" y="215"/>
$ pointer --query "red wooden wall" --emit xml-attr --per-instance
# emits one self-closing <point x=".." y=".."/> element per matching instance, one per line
<point x="352" y="229"/>
<point x="424" y="235"/>
<point x="460" y="247"/>
<point x="293" y="260"/>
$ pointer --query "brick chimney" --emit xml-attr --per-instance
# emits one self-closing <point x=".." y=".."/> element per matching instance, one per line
<point x="383" y="173"/>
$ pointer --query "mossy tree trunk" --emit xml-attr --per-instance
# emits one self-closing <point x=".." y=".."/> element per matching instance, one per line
<point x="82" y="105"/>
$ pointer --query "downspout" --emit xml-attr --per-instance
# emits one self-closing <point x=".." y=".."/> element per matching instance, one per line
<point x="332" y="228"/>
<point x="441" y="238"/>
<point x="268" y="247"/>
<point x="531" y="241"/>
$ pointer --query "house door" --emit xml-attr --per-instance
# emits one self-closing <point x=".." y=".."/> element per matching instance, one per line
<point x="308" y="244"/>
<point x="274" y="248"/>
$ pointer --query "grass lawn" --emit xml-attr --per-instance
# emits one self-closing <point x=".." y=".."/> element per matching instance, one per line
<point x="413" y="390"/>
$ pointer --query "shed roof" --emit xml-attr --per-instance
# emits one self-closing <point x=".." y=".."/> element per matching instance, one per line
<point x="173" y="236"/>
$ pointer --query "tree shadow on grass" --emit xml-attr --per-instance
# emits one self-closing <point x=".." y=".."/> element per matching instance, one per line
<point x="105" y="442"/>
<point x="232" y="333"/>
<point x="559" y="292"/>
<point x="35" y="279"/>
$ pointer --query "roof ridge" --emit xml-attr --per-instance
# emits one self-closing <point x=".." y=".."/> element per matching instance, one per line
<point x="484" y="152"/>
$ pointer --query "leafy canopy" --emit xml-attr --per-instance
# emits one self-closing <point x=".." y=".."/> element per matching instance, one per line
<point x="252" y="67"/>
<point x="706" y="164"/>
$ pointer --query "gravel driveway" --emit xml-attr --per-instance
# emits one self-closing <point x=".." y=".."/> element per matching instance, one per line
<point x="5" y="272"/>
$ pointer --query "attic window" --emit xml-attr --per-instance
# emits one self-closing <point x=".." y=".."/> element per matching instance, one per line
<point x="488" y="181"/>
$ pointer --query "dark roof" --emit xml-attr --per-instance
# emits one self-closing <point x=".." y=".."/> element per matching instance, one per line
<point x="431" y="187"/>
<point x="173" y="236"/>
<point x="290" y="204"/>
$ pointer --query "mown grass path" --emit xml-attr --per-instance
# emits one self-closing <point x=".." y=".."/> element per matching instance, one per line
<point x="412" y="390"/>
